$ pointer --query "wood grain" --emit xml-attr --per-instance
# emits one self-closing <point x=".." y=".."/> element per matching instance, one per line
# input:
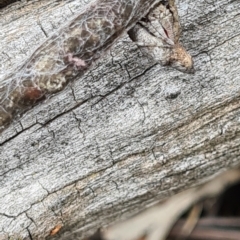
<point x="124" y="135"/>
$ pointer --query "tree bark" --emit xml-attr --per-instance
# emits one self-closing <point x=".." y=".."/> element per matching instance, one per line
<point x="126" y="134"/>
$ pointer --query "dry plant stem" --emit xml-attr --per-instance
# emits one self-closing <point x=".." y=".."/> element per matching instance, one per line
<point x="192" y="219"/>
<point x="209" y="228"/>
<point x="72" y="49"/>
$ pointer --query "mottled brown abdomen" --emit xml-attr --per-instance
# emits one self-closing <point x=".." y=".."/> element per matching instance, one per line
<point x="67" y="53"/>
<point x="4" y="3"/>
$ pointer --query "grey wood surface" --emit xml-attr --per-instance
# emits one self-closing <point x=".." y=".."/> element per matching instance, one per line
<point x="127" y="133"/>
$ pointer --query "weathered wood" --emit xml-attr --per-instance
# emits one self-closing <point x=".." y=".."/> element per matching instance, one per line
<point x="125" y="134"/>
